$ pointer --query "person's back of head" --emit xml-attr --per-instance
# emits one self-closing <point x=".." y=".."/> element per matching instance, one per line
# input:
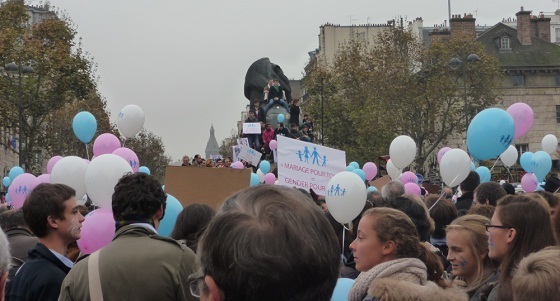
<point x="392" y="190"/>
<point x="509" y="189"/>
<point x="538" y="276"/>
<point x="12" y="219"/>
<point x="269" y="243"/>
<point x="46" y="200"/>
<point x="138" y="197"/>
<point x="489" y="193"/>
<point x="484" y="210"/>
<point x="417" y="214"/>
<point x="470" y="183"/>
<point x="191" y="222"/>
<point x="443" y="213"/>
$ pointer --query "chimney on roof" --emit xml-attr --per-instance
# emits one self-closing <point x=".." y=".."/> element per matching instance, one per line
<point x="463" y="26"/>
<point x="543" y="28"/>
<point x="524" y="26"/>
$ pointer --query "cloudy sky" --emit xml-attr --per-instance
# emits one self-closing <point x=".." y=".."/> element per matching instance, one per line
<point x="184" y="61"/>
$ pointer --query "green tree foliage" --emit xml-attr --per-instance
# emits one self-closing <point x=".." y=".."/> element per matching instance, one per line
<point x="226" y="148"/>
<point x="150" y="151"/>
<point x="399" y="87"/>
<point x="62" y="73"/>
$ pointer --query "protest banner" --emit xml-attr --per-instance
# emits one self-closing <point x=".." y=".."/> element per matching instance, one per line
<point x="250" y="155"/>
<point x="251" y="128"/>
<point x="243" y="141"/>
<point x="235" y="153"/>
<point x="306" y="165"/>
<point x="205" y="185"/>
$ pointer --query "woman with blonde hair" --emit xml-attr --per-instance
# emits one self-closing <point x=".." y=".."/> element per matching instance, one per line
<point x="389" y="254"/>
<point x="472" y="269"/>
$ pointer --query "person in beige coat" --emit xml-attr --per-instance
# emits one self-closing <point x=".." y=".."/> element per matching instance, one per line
<point x="138" y="264"/>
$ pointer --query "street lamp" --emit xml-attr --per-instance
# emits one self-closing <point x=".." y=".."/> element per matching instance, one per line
<point x="12" y="67"/>
<point x="322" y="114"/>
<point x="455" y="64"/>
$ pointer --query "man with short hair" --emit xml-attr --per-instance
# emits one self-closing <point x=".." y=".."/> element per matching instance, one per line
<point x="227" y="162"/>
<point x="52" y="214"/>
<point x="138" y="264"/>
<point x="465" y="201"/>
<point x="20" y="238"/>
<point x="488" y="193"/>
<point x="197" y="161"/>
<point x="186" y="161"/>
<point x="392" y="190"/>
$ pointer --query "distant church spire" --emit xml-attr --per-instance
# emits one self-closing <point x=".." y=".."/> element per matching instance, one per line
<point x="212" y="147"/>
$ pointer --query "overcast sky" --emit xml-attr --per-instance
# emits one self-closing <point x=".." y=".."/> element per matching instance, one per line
<point x="184" y="61"/>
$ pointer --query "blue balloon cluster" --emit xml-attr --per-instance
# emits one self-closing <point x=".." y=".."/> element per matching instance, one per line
<point x="144" y="169"/>
<point x="484" y="174"/>
<point x="14" y="172"/>
<point x="254" y="180"/>
<point x="172" y="209"/>
<point x="84" y="126"/>
<point x="264" y="166"/>
<point x="541" y="163"/>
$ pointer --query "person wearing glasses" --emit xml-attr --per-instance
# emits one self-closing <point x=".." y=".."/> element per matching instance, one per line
<point x="267" y="243"/>
<point x="467" y="243"/>
<point x="138" y="264"/>
<point x="519" y="227"/>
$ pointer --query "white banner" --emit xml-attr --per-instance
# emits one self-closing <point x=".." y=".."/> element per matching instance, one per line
<point x="251" y="128"/>
<point x="307" y="165"/>
<point x="236" y="151"/>
<point x="250" y="155"/>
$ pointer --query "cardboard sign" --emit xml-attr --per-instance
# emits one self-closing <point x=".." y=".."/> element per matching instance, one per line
<point x="235" y="153"/>
<point x="251" y="128"/>
<point x="307" y="165"/>
<point x="205" y="185"/>
<point x="243" y="141"/>
<point x="379" y="183"/>
<point x="250" y="155"/>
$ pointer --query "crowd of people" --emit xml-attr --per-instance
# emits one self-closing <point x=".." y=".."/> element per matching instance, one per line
<point x="278" y="243"/>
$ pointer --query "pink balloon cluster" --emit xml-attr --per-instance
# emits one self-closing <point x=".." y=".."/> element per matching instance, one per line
<point x="523" y="118"/>
<point x="273" y="144"/>
<point x="97" y="230"/>
<point x="237" y="165"/>
<point x="20" y="188"/>
<point x="409" y="177"/>
<point x="105" y="144"/>
<point x="370" y="169"/>
<point x="269" y="178"/>
<point x="529" y="182"/>
<point x="129" y="156"/>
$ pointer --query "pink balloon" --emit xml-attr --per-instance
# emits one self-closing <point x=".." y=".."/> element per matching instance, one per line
<point x="522" y="117"/>
<point x="130" y="157"/>
<point x="269" y="178"/>
<point x="370" y="169"/>
<point x="97" y="230"/>
<point x="272" y="144"/>
<point x="412" y="188"/>
<point x="20" y="188"/>
<point x="529" y="182"/>
<point x="44" y="178"/>
<point x="237" y="165"/>
<point x="52" y="163"/>
<point x="442" y="152"/>
<point x="105" y="144"/>
<point x="409" y="177"/>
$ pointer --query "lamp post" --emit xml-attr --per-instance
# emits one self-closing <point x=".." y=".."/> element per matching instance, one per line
<point x="455" y="64"/>
<point x="12" y="67"/>
<point x="322" y="115"/>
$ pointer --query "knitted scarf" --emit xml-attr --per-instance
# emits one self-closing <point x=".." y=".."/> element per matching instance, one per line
<point x="408" y="269"/>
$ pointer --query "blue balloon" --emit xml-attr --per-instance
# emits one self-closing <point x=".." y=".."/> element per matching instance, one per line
<point x="484" y="174"/>
<point x="84" y="126"/>
<point x="144" y="169"/>
<point x="542" y="163"/>
<point x="172" y="209"/>
<point x="264" y="166"/>
<point x="6" y="181"/>
<point x="490" y="133"/>
<point x="254" y="180"/>
<point x="360" y="173"/>
<point x="280" y="118"/>
<point x="473" y="167"/>
<point x="14" y="172"/>
<point x="342" y="289"/>
<point x="350" y="168"/>
<point x="8" y="198"/>
<point x="371" y="188"/>
<point x="163" y="187"/>
<point x="525" y="161"/>
<point x="354" y="164"/>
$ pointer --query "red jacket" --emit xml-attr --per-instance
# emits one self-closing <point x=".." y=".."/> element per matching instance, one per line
<point x="267" y="135"/>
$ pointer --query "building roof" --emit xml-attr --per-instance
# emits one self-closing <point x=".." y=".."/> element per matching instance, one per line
<point x="212" y="147"/>
<point x="537" y="55"/>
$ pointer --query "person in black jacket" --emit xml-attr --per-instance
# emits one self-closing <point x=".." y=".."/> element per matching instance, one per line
<point x="276" y="94"/>
<point x="294" y="111"/>
<point x="467" y="188"/>
<point x="52" y="214"/>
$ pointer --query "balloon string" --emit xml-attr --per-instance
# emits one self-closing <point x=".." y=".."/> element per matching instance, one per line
<point x="441" y="196"/>
<point x="343" y="233"/>
<point x="493" y="166"/>
<point x="87" y="150"/>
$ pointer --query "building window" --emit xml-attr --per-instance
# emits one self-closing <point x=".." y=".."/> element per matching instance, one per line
<point x="504" y="43"/>
<point x="518" y="80"/>
<point x="557" y="114"/>
<point x="521" y="148"/>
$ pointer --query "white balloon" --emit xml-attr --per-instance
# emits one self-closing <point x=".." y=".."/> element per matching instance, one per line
<point x="455" y="167"/>
<point x="71" y="171"/>
<point x="509" y="156"/>
<point x="393" y="171"/>
<point x="346" y="196"/>
<point x="260" y="174"/>
<point x="82" y="200"/>
<point x="102" y="175"/>
<point x="549" y="144"/>
<point x="402" y="151"/>
<point x="130" y="120"/>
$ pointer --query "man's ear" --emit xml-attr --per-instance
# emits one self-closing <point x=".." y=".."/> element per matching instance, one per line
<point x="159" y="213"/>
<point x="52" y="222"/>
<point x="214" y="292"/>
